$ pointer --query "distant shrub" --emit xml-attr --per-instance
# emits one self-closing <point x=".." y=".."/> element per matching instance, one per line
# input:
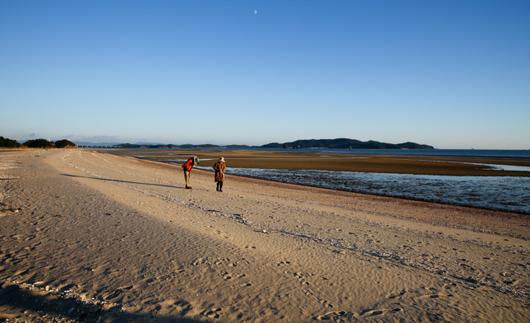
<point x="9" y="143"/>
<point x="39" y="143"/>
<point x="64" y="143"/>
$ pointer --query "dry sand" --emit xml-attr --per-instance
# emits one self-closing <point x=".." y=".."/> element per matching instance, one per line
<point x="93" y="236"/>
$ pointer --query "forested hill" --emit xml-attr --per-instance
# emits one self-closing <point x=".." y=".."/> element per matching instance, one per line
<point x="345" y="143"/>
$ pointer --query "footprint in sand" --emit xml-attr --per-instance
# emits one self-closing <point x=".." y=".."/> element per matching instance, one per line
<point x="377" y="312"/>
<point x="401" y="293"/>
<point x="199" y="261"/>
<point x="223" y="234"/>
<point x="183" y="307"/>
<point x="180" y="307"/>
<point x="326" y="303"/>
<point x="112" y="295"/>
<point x="337" y="316"/>
<point x="283" y="263"/>
<point x="213" y="313"/>
<point x="372" y="313"/>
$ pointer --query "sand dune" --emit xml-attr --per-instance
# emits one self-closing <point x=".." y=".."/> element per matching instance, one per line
<point x="87" y="235"/>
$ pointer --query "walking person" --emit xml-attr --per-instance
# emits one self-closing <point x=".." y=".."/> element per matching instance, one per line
<point x="187" y="167"/>
<point x="219" y="168"/>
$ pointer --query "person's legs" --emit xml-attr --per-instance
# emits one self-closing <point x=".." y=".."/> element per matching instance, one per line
<point x="187" y="178"/>
<point x="220" y="186"/>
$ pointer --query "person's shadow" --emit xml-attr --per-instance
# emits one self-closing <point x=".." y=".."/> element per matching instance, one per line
<point x="20" y="300"/>
<point x="123" y="181"/>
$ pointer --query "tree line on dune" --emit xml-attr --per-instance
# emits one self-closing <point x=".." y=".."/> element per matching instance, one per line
<point x="36" y="143"/>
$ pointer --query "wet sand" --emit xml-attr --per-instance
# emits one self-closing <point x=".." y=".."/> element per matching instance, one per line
<point x="87" y="235"/>
<point x="401" y="164"/>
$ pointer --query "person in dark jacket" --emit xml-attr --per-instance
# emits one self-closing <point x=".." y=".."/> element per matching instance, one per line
<point x="187" y="167"/>
<point x="219" y="168"/>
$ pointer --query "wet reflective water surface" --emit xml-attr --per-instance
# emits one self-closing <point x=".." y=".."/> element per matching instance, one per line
<point x="493" y="192"/>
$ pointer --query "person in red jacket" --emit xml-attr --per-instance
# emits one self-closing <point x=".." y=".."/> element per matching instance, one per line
<point x="187" y="167"/>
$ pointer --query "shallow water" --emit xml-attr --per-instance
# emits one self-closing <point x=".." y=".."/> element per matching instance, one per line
<point x="511" y="168"/>
<point x="493" y="192"/>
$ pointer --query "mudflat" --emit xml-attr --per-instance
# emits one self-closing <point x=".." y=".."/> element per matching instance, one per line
<point x="403" y="164"/>
<point x="90" y="236"/>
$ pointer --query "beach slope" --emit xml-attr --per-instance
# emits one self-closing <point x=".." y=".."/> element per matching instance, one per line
<point x="87" y="235"/>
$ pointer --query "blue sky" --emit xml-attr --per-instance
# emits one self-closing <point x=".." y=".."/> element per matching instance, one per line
<point x="454" y="74"/>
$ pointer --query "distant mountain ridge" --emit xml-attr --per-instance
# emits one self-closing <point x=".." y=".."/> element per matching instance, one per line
<point x="172" y="146"/>
<point x="338" y="143"/>
<point x="345" y="143"/>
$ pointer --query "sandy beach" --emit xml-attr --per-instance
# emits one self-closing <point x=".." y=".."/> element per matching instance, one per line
<point x="87" y="235"/>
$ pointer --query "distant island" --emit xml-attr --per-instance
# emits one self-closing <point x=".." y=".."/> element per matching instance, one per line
<point x="345" y="143"/>
<point x="338" y="143"/>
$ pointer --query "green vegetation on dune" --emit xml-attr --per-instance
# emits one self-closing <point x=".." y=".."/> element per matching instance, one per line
<point x="8" y="143"/>
<point x="39" y="143"/>
<point x="64" y="143"/>
<point x="36" y="143"/>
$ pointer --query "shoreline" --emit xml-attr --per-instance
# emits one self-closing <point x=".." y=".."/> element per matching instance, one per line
<point x="301" y="186"/>
<point x="414" y="203"/>
<point x="385" y="195"/>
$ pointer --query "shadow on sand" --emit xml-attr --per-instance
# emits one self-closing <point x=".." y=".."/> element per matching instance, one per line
<point x="20" y="300"/>
<point x="122" y="181"/>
